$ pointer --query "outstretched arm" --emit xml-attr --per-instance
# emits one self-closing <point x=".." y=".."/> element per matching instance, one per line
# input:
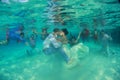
<point x="78" y="37"/>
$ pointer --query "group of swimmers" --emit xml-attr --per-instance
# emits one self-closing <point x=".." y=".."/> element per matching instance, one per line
<point x="53" y="42"/>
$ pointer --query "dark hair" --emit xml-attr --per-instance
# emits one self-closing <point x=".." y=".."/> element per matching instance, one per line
<point x="22" y="34"/>
<point x="45" y="28"/>
<point x="65" y="31"/>
<point x="56" y="30"/>
<point x="21" y="27"/>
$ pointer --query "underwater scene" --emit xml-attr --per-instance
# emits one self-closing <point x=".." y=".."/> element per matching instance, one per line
<point x="59" y="39"/>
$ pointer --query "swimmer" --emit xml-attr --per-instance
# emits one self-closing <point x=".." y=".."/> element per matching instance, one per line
<point x="32" y="41"/>
<point x="44" y="33"/>
<point x="34" y="32"/>
<point x="32" y="44"/>
<point x="52" y="45"/>
<point x="105" y="38"/>
<point x="73" y="40"/>
<point x="85" y="34"/>
<point x="15" y="34"/>
<point x="63" y="36"/>
<point x="95" y="36"/>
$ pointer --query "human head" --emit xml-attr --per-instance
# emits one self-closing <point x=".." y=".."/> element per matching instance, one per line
<point x="45" y="29"/>
<point x="22" y="34"/>
<point x="21" y="27"/>
<point x="65" y="31"/>
<point x="56" y="30"/>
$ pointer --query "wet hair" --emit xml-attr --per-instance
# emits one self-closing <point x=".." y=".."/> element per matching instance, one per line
<point x="22" y="34"/>
<point x="21" y="27"/>
<point x="56" y="30"/>
<point x="102" y="31"/>
<point x="65" y="31"/>
<point x="45" y="29"/>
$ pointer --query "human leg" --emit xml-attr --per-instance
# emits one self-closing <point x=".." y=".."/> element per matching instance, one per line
<point x="65" y="56"/>
<point x="49" y="50"/>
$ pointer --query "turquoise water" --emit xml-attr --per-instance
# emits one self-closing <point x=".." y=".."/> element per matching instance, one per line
<point x="89" y="63"/>
<point x="17" y="65"/>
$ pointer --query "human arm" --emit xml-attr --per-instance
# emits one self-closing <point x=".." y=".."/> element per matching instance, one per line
<point x="78" y="37"/>
<point x="108" y="37"/>
<point x="56" y="43"/>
